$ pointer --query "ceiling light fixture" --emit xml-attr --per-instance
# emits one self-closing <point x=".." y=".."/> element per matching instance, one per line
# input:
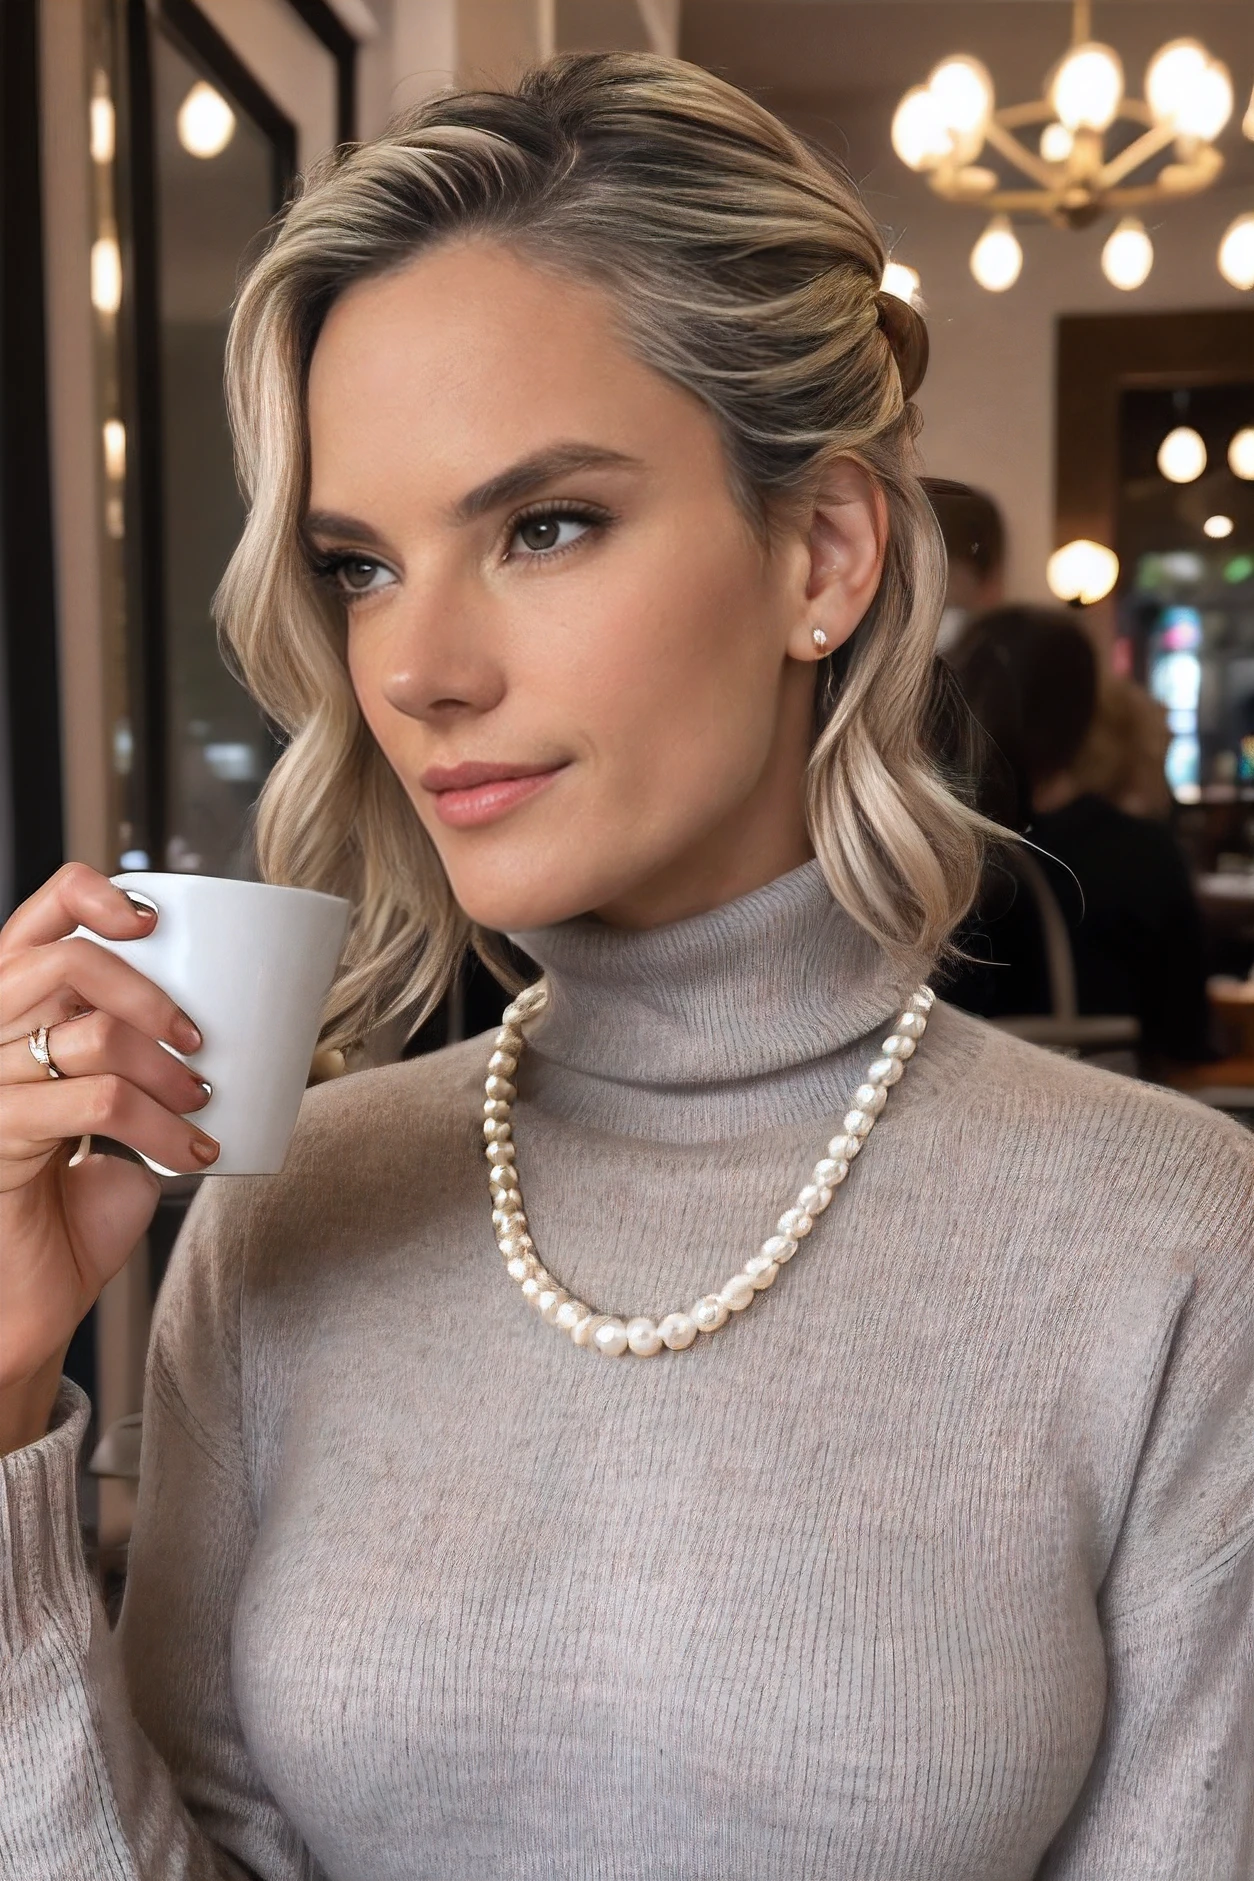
<point x="206" y="122"/>
<point x="1236" y="252"/>
<point x="1241" y="453"/>
<point x="997" y="259"/>
<point x="1217" y="527"/>
<point x="1128" y="254"/>
<point x="942" y="127"/>
<point x="1082" y="572"/>
<point x="1182" y="455"/>
<point x="900" y="281"/>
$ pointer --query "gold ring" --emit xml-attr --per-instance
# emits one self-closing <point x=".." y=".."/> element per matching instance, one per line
<point x="38" y="1044"/>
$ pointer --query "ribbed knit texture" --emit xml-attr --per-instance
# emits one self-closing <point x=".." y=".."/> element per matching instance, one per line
<point x="935" y="1565"/>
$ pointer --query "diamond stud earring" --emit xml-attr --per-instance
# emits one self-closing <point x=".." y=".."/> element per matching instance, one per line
<point x="820" y="640"/>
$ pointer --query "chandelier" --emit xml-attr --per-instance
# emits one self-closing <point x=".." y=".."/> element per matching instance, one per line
<point x="1077" y="167"/>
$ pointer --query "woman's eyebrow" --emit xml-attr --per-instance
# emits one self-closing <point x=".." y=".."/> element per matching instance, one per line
<point x="531" y="473"/>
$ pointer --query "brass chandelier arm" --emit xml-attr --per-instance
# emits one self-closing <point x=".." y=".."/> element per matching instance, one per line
<point x="1003" y="141"/>
<point x="1139" y="151"/>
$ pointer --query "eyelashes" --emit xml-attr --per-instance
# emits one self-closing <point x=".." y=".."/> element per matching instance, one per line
<point x="328" y="568"/>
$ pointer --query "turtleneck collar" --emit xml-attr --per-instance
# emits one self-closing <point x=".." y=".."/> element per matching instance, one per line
<point x="777" y="981"/>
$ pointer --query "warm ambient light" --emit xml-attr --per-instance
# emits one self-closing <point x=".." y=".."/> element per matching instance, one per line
<point x="920" y="137"/>
<point x="1188" y="90"/>
<point x="1128" y="254"/>
<point x="206" y="122"/>
<point x="963" y="94"/>
<point x="900" y="281"/>
<point x="115" y="448"/>
<point x="1087" y="88"/>
<point x="997" y="257"/>
<point x="1217" y="527"/>
<point x="106" y="275"/>
<point x="1182" y="455"/>
<point x="1241" y="453"/>
<point x="1236" y="252"/>
<point x="102" y="129"/>
<point x="1082" y="571"/>
<point x="1057" y="143"/>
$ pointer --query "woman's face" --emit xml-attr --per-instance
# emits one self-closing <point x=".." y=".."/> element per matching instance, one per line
<point x="593" y="681"/>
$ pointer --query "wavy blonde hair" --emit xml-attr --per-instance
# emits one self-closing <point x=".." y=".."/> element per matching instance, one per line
<point x="744" y="267"/>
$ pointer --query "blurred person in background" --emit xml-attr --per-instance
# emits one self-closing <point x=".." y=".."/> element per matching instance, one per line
<point x="975" y="549"/>
<point x="1030" y="676"/>
<point x="1123" y="756"/>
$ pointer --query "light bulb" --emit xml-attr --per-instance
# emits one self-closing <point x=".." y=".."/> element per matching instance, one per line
<point x="963" y="92"/>
<point x="920" y="137"/>
<point x="115" y="448"/>
<point x="1171" y="75"/>
<point x="1088" y="88"/>
<point x="1082" y="571"/>
<point x="1208" y="105"/>
<point x="1217" y="527"/>
<point x="900" y="281"/>
<point x="1056" y="143"/>
<point x="1128" y="254"/>
<point x="106" y="275"/>
<point x="1236" y="251"/>
<point x="103" y="136"/>
<point x="1247" y="122"/>
<point x="1241" y="453"/>
<point x="206" y="122"/>
<point x="1182" y="455"/>
<point x="997" y="257"/>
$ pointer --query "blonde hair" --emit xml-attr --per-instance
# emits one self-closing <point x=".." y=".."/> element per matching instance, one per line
<point x="744" y="267"/>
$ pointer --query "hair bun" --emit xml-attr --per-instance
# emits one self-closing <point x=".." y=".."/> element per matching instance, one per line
<point x="906" y="332"/>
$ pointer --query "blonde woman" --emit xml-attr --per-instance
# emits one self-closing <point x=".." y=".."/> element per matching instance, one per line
<point x="907" y="1535"/>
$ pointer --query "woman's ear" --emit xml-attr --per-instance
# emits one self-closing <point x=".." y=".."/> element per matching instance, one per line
<point x="846" y="542"/>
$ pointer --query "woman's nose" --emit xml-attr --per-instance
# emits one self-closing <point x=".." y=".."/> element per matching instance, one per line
<point x="441" y="657"/>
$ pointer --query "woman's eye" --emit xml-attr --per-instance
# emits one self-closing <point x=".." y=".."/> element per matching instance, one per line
<point x="538" y="536"/>
<point x="357" y="575"/>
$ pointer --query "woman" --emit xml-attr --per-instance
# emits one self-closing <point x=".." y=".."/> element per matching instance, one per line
<point x="1030" y="677"/>
<point x="588" y="568"/>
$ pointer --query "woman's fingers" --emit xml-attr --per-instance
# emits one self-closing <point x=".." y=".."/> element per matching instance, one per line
<point x="35" y="1119"/>
<point x="51" y="984"/>
<point x="75" y="896"/>
<point x="97" y="1043"/>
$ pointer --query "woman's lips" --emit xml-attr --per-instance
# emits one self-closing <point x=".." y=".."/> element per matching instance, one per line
<point x="472" y="795"/>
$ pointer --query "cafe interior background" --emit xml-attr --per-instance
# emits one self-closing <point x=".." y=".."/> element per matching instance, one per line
<point x="1079" y="228"/>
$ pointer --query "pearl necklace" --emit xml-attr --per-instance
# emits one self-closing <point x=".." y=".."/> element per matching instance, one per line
<point x="676" y="1331"/>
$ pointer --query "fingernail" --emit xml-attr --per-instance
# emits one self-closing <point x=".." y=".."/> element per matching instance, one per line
<point x="185" y="1035"/>
<point x="205" y="1150"/>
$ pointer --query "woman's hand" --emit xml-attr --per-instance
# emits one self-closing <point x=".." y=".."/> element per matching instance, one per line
<point x="65" y="1231"/>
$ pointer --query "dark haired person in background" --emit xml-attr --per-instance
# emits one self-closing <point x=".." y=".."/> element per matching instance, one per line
<point x="975" y="546"/>
<point x="1030" y="677"/>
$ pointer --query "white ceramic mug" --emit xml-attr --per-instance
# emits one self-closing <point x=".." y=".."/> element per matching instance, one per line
<point x="252" y="965"/>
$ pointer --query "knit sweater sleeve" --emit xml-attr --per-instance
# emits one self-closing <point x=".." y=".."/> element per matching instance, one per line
<point x="121" y="1754"/>
<point x="1171" y="1791"/>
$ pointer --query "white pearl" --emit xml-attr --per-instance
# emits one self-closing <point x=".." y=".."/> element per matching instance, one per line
<point x="898" y="1046"/>
<point x="857" y="1123"/>
<point x="831" y="1171"/>
<point x="761" y="1271"/>
<point x="531" y="1286"/>
<point x="549" y="1301"/>
<point x="795" y="1223"/>
<point x="738" y="1292"/>
<point x="509" y="1039"/>
<point x="496" y="1107"/>
<point x="512" y="1244"/>
<point x="872" y="1097"/>
<point x="501" y="1089"/>
<point x="521" y="1266"/>
<point x="500" y="1153"/>
<point x="923" y="1000"/>
<point x="912" y="1024"/>
<point x="508" y="1221"/>
<point x="708" y="1313"/>
<point x="814" y="1198"/>
<point x="582" y="1330"/>
<point x="779" y="1248"/>
<point x="569" y="1313"/>
<point x="884" y="1071"/>
<point x="504" y="1064"/>
<point x="610" y="1337"/>
<point x="678" y="1331"/>
<point x="509" y="1200"/>
<point x="643" y="1337"/>
<point x="494" y="1132"/>
<point x="843" y="1149"/>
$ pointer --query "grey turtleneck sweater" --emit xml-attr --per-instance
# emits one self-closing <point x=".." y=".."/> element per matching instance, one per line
<point x="936" y="1565"/>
